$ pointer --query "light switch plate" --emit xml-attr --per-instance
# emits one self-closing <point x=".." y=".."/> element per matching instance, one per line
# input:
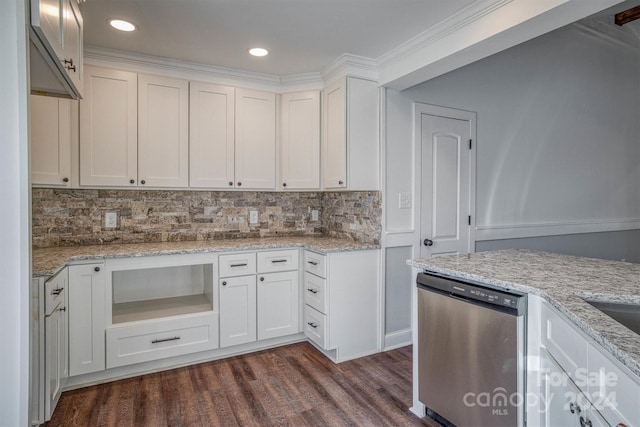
<point x="404" y="200"/>
<point x="253" y="217"/>
<point x="110" y="219"/>
<point x="314" y="215"/>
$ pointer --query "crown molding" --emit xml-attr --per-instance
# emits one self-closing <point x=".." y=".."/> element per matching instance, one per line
<point x="455" y="22"/>
<point x="196" y="71"/>
<point x="605" y="29"/>
<point x="350" y="65"/>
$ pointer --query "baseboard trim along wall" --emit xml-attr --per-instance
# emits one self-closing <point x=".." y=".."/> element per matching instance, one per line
<point x="397" y="339"/>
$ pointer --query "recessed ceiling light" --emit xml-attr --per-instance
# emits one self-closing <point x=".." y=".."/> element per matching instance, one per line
<point x="121" y="25"/>
<point x="258" y="51"/>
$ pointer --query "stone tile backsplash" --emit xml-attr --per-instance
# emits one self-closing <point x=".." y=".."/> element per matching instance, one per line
<point x="63" y="217"/>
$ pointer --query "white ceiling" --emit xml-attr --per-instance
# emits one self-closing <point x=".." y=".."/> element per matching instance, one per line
<point x="302" y="35"/>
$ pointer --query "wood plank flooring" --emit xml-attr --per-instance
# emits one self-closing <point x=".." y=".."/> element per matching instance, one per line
<point x="294" y="385"/>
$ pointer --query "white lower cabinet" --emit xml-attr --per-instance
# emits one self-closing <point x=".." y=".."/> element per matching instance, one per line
<point x="56" y="339"/>
<point x="580" y="384"/>
<point x="86" y="318"/>
<point x="278" y="302"/>
<point x="237" y="310"/>
<point x="341" y="311"/>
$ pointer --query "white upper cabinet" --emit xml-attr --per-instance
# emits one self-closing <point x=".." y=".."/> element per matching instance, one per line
<point x="163" y="133"/>
<point x="50" y="135"/>
<point x="300" y="140"/>
<point x="109" y="128"/>
<point x="255" y="148"/>
<point x="350" y="153"/>
<point x="211" y="136"/>
<point x="56" y="55"/>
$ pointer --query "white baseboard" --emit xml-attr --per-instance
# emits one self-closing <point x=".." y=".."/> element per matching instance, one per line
<point x="397" y="339"/>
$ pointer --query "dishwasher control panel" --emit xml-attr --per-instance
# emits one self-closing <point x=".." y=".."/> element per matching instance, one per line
<point x="471" y="291"/>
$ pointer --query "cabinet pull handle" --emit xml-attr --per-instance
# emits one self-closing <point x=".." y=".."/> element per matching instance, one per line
<point x="313" y="325"/>
<point x="313" y="291"/>
<point x="65" y="179"/>
<point x="224" y="283"/>
<point x="340" y="182"/>
<point x="239" y="184"/>
<point x="262" y="279"/>
<point x="312" y="262"/>
<point x="57" y="291"/>
<point x="143" y="182"/>
<point x="96" y="269"/>
<point x="132" y="181"/>
<point x="63" y="309"/>
<point x="585" y="422"/>
<point x="238" y="265"/>
<point x="574" y="407"/>
<point x="230" y="184"/>
<point x="165" y="340"/>
<point x="284" y="184"/>
<point x="275" y="261"/>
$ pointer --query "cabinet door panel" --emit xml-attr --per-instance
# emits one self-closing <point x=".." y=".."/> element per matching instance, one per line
<point x="334" y="159"/>
<point x="278" y="302"/>
<point x="211" y="135"/>
<point x="255" y="150"/>
<point x="50" y="136"/>
<point x="237" y="310"/>
<point x="300" y="148"/>
<point x="86" y="319"/>
<point x="109" y="128"/>
<point x="47" y="18"/>
<point x="559" y="395"/>
<point x="72" y="42"/>
<point x="163" y="145"/>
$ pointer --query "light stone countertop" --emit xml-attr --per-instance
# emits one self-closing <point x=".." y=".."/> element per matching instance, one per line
<point x="563" y="281"/>
<point x="48" y="261"/>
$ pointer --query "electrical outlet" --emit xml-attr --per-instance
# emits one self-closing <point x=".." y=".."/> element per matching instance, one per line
<point x="314" y="214"/>
<point x="404" y="200"/>
<point x="110" y="219"/>
<point x="253" y="217"/>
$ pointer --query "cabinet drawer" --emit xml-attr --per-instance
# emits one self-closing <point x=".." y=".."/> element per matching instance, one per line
<point x="237" y="264"/>
<point x="563" y="342"/>
<point x="315" y="263"/>
<point x="315" y="326"/>
<point x="315" y="294"/>
<point x="54" y="290"/>
<point x="272" y="261"/>
<point x="159" y="339"/>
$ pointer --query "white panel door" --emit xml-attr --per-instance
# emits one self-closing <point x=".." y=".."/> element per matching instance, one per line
<point x="334" y="150"/>
<point x="237" y="310"/>
<point x="445" y="185"/>
<point x="278" y="304"/>
<point x="50" y="120"/>
<point x="300" y="140"/>
<point x="109" y="128"/>
<point x="86" y="319"/>
<point x="163" y="132"/>
<point x="255" y="139"/>
<point x="211" y="136"/>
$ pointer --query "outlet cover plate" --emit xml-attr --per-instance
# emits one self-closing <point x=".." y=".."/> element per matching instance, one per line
<point x="110" y="219"/>
<point x="253" y="217"/>
<point x="404" y="200"/>
<point x="314" y="214"/>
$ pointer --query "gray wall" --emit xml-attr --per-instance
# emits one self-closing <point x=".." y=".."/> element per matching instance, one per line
<point x="558" y="133"/>
<point x="617" y="245"/>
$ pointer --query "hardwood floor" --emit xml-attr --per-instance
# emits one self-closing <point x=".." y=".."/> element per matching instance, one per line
<point x="293" y="385"/>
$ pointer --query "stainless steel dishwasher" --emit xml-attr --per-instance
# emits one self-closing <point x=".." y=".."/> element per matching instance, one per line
<point x="471" y="352"/>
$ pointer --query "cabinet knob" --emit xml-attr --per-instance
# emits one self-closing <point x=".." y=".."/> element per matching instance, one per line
<point x="230" y="183"/>
<point x="65" y="179"/>
<point x="224" y="283"/>
<point x="284" y="184"/>
<point x="143" y="182"/>
<point x="340" y="182"/>
<point x="132" y="181"/>
<point x="96" y="269"/>
<point x="63" y="308"/>
<point x="239" y="184"/>
<point x="68" y="64"/>
<point x="262" y="279"/>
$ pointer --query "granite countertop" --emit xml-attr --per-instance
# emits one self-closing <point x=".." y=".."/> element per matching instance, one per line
<point x="563" y="281"/>
<point x="48" y="261"/>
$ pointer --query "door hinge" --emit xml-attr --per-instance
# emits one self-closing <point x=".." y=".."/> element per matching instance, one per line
<point x="470" y="143"/>
<point x="469" y="219"/>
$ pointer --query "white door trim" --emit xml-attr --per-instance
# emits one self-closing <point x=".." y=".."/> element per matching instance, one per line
<point x="420" y="109"/>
